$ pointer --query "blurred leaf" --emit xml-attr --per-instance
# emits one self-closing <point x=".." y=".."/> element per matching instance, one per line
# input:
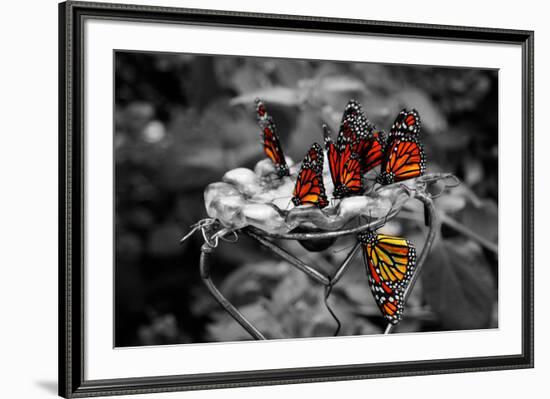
<point x="227" y="329"/>
<point x="290" y="290"/>
<point x="458" y="285"/>
<point x="453" y="140"/>
<point x="164" y="239"/>
<point x="340" y="83"/>
<point x="251" y="281"/>
<point x="308" y="130"/>
<point x="163" y="329"/>
<point x="358" y="293"/>
<point x="378" y="77"/>
<point x="275" y="95"/>
<point x="129" y="246"/>
<point x="482" y="219"/>
<point x="244" y="76"/>
<point x="473" y="171"/>
<point x="450" y="203"/>
<point x="287" y="73"/>
<point x="430" y="114"/>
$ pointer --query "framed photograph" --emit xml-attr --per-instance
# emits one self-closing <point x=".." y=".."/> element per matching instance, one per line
<point x="252" y="199"/>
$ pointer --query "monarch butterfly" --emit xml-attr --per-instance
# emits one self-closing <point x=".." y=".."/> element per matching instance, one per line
<point x="270" y="139"/>
<point x="355" y="128"/>
<point x="358" y="149"/>
<point x="309" y="188"/>
<point x="389" y="263"/>
<point x="404" y="156"/>
<point x="345" y="168"/>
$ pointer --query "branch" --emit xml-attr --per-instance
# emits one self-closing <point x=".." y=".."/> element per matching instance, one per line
<point x="433" y="228"/>
<point x="238" y="316"/>
<point x="310" y="271"/>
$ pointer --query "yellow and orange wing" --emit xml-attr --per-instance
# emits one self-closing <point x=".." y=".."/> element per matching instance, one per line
<point x="390" y="263"/>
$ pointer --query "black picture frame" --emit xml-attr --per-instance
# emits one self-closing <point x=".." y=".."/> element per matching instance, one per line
<point x="71" y="199"/>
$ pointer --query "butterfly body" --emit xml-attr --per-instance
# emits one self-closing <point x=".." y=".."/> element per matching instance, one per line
<point x="404" y="156"/>
<point x="270" y="140"/>
<point x="390" y="262"/>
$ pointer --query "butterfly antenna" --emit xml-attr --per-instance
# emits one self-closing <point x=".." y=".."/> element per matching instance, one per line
<point x="328" y="290"/>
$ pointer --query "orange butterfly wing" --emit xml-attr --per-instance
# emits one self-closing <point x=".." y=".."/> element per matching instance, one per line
<point x="349" y="174"/>
<point x="332" y="155"/>
<point x="372" y="154"/>
<point x="309" y="188"/>
<point x="270" y="139"/>
<point x="404" y="156"/>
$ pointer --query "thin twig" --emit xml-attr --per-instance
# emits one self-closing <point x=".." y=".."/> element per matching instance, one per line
<point x="328" y="290"/>
<point x="310" y="271"/>
<point x="376" y="224"/>
<point x="229" y="308"/>
<point x="344" y="266"/>
<point x="433" y="228"/>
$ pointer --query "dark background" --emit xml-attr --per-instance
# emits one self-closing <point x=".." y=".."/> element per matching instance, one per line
<point x="182" y="121"/>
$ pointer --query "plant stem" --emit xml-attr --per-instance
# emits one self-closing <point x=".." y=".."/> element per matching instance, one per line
<point x="238" y="316"/>
<point x="310" y="271"/>
<point x="433" y="228"/>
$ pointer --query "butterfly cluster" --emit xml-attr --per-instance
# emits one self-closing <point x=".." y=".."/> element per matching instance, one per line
<point x="359" y="148"/>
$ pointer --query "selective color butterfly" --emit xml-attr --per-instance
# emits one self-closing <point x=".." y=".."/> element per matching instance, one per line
<point x="390" y="262"/>
<point x="309" y="188"/>
<point x="404" y="156"/>
<point x="270" y="140"/>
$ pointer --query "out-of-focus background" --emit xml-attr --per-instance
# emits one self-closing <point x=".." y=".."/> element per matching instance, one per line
<point x="183" y="120"/>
